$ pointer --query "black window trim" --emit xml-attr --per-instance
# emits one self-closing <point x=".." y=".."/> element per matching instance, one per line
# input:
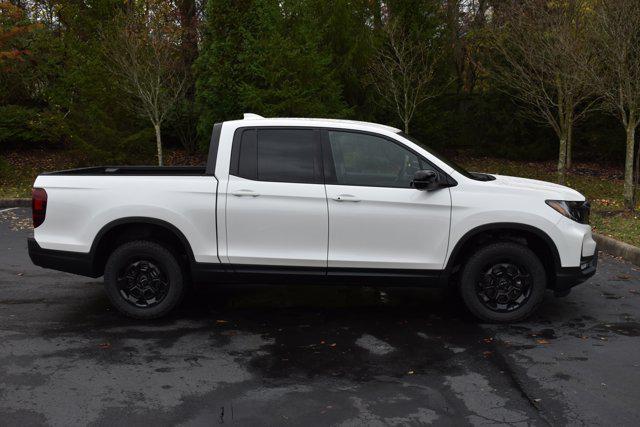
<point x="212" y="157"/>
<point x="327" y="173"/>
<point x="234" y="165"/>
<point x="329" y="164"/>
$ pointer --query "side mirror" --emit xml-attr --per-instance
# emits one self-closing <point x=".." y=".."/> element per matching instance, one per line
<point x="426" y="180"/>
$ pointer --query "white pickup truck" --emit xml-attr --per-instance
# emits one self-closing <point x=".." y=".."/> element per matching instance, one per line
<point x="313" y="201"/>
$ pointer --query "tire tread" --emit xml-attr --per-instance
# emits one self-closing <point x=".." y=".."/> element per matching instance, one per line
<point x="467" y="282"/>
<point x="173" y="267"/>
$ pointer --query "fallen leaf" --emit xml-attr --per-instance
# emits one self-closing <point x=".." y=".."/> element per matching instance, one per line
<point x="222" y="321"/>
<point x="542" y="341"/>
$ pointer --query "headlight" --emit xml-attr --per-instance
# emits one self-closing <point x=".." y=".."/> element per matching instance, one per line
<point x="577" y="211"/>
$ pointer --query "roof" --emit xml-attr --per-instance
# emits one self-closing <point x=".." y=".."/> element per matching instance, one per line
<point x="318" y="122"/>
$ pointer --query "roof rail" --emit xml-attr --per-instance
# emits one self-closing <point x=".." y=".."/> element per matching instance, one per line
<point x="251" y="116"/>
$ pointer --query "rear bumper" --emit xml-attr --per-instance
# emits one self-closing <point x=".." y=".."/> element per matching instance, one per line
<point x="69" y="262"/>
<point x="568" y="277"/>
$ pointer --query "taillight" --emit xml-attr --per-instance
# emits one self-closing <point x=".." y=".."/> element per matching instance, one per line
<point x="38" y="206"/>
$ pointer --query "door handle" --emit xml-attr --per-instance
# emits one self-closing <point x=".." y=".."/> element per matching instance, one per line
<point x="346" y="198"/>
<point x="245" y="193"/>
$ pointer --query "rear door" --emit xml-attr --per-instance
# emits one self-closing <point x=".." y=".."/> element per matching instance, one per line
<point x="276" y="206"/>
<point x="376" y="219"/>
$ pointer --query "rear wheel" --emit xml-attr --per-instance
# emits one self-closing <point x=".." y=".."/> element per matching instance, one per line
<point x="503" y="282"/>
<point x="144" y="280"/>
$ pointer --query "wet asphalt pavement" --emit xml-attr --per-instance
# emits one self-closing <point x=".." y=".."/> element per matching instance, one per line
<point x="310" y="355"/>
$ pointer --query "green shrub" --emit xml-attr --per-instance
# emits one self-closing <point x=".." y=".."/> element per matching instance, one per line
<point x="137" y="148"/>
<point x="5" y="168"/>
<point x="23" y="127"/>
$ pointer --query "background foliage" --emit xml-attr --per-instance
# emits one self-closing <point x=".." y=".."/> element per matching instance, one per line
<point x="61" y="107"/>
<point x="275" y="58"/>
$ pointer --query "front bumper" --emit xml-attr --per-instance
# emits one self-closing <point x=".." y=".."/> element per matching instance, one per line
<point x="69" y="262"/>
<point x="568" y="277"/>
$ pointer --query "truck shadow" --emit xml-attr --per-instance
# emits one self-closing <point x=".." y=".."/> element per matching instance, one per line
<point x="339" y="332"/>
<point x="347" y="332"/>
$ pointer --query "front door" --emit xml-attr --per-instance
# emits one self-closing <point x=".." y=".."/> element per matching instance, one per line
<point x="376" y="219"/>
<point x="276" y="203"/>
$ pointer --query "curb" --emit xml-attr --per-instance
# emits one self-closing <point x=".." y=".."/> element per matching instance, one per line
<point x="617" y="248"/>
<point x="15" y="203"/>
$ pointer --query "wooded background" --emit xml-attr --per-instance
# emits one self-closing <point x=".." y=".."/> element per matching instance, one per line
<point x="117" y="80"/>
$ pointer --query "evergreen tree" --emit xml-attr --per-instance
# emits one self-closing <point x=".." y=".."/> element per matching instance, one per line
<point x="225" y="60"/>
<point x="290" y="75"/>
<point x="262" y="56"/>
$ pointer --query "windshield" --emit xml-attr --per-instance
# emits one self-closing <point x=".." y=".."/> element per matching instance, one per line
<point x="450" y="163"/>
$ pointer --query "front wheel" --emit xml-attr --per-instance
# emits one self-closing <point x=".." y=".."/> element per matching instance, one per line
<point x="503" y="282"/>
<point x="143" y="279"/>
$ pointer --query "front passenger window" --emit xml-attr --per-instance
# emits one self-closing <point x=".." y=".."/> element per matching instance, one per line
<point x="369" y="160"/>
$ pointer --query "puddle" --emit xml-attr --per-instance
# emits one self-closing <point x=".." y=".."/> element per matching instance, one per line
<point x="374" y="345"/>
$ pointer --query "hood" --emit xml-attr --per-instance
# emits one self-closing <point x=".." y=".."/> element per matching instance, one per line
<point x="551" y="190"/>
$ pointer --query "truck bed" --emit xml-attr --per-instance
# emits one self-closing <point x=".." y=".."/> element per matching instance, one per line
<point x="133" y="170"/>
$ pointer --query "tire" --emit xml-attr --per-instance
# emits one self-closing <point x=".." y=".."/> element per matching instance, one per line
<point x="503" y="282"/>
<point x="144" y="280"/>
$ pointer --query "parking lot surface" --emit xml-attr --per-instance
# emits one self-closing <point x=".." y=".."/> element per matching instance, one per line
<point x="302" y="355"/>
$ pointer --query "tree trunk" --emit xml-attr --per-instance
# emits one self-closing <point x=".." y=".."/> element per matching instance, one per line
<point x="562" y="159"/>
<point x="569" y="148"/>
<point x="377" y="14"/>
<point x="189" y="35"/>
<point x="156" y="127"/>
<point x="637" y="173"/>
<point x="629" y="201"/>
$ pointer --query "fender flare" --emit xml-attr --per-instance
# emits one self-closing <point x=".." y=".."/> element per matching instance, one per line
<point x="508" y="226"/>
<point x="140" y="220"/>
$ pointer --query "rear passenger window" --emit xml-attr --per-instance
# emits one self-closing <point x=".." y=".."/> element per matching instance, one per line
<point x="280" y="155"/>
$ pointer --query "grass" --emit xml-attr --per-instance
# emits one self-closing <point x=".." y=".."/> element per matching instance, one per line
<point x="601" y="185"/>
<point x="22" y="167"/>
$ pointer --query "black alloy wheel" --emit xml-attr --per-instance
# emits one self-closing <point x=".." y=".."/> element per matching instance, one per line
<point x="504" y="287"/>
<point x="143" y="284"/>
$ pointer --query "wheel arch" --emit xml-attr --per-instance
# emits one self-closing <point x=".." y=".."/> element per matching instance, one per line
<point x="538" y="240"/>
<point x="128" y="229"/>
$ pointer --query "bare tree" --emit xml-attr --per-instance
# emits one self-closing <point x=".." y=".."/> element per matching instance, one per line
<point x="186" y="118"/>
<point x="539" y="44"/>
<point x="466" y="21"/>
<point x="403" y="71"/>
<point x="616" y="45"/>
<point x="143" y="54"/>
